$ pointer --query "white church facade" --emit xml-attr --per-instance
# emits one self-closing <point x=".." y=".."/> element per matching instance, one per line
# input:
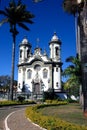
<point x="37" y="72"/>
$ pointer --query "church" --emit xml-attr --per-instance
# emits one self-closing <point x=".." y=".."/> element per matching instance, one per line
<point x="37" y="71"/>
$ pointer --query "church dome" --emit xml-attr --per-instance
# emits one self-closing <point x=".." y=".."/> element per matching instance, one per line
<point x="55" y="37"/>
<point x="25" y="41"/>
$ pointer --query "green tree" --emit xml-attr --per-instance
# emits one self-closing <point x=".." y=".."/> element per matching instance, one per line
<point x="4" y="82"/>
<point x="79" y="9"/>
<point x="73" y="6"/>
<point x="73" y="73"/>
<point x="15" y="14"/>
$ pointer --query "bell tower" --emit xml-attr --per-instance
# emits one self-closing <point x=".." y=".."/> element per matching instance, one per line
<point x="24" y="54"/>
<point x="55" y="56"/>
<point x="54" y="45"/>
<point x="24" y="50"/>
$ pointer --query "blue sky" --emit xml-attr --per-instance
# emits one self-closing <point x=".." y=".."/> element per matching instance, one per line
<point x="49" y="18"/>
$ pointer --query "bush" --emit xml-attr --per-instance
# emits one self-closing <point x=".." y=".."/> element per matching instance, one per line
<point x="7" y="103"/>
<point x="21" y="98"/>
<point x="11" y="103"/>
<point x="48" y="95"/>
<point x="72" y="101"/>
<point x="56" y="102"/>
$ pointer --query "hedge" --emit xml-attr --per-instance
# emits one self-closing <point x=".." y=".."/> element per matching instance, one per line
<point x="11" y="103"/>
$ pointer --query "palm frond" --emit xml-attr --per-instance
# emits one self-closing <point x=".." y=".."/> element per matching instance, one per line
<point x="72" y="6"/>
<point x="69" y="59"/>
<point x="3" y="13"/>
<point x="69" y="7"/>
<point x="74" y="60"/>
<point x="12" y="3"/>
<point x="17" y="14"/>
<point x="23" y="26"/>
<point x="28" y="21"/>
<point x="3" y="21"/>
<point x="73" y="72"/>
<point x="28" y="15"/>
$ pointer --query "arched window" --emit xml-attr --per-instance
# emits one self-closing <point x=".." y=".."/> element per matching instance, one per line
<point x="20" y="53"/>
<point x="57" y="84"/>
<point x="56" y="51"/>
<point x="27" y="53"/>
<point x="56" y="69"/>
<point x="45" y="73"/>
<point x="29" y="74"/>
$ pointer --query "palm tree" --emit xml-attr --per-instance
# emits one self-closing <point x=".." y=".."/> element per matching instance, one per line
<point x="81" y="10"/>
<point x="73" y="72"/>
<point x="15" y="14"/>
<point x="74" y="7"/>
<point x="72" y="86"/>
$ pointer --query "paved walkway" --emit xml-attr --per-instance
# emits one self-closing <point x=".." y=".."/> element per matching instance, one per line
<point x="18" y="121"/>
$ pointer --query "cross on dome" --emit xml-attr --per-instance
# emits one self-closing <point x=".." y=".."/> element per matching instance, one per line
<point x="55" y="37"/>
<point x="25" y="40"/>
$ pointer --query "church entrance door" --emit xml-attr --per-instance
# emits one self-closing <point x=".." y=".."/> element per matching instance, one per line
<point x="36" y="89"/>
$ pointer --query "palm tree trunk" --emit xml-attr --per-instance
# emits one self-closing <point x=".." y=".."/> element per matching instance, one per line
<point x="83" y="43"/>
<point x="80" y="95"/>
<point x="76" y="32"/>
<point x="78" y="50"/>
<point x="13" y="64"/>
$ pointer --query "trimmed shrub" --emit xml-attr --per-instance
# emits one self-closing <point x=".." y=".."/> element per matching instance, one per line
<point x="21" y="98"/>
<point x="7" y="103"/>
<point x="72" y="101"/>
<point x="56" y="102"/>
<point x="11" y="103"/>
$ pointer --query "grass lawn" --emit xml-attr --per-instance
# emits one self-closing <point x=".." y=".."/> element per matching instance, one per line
<point x="71" y="113"/>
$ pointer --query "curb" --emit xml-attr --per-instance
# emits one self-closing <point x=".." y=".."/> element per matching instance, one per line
<point x="6" y="124"/>
<point x="36" y="124"/>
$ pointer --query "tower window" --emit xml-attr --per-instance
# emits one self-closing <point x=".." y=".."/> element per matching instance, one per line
<point x="27" y="53"/>
<point x="20" y="53"/>
<point x="29" y="73"/>
<point x="45" y="72"/>
<point x="56" y="51"/>
<point x="57" y="69"/>
<point x="56" y="84"/>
